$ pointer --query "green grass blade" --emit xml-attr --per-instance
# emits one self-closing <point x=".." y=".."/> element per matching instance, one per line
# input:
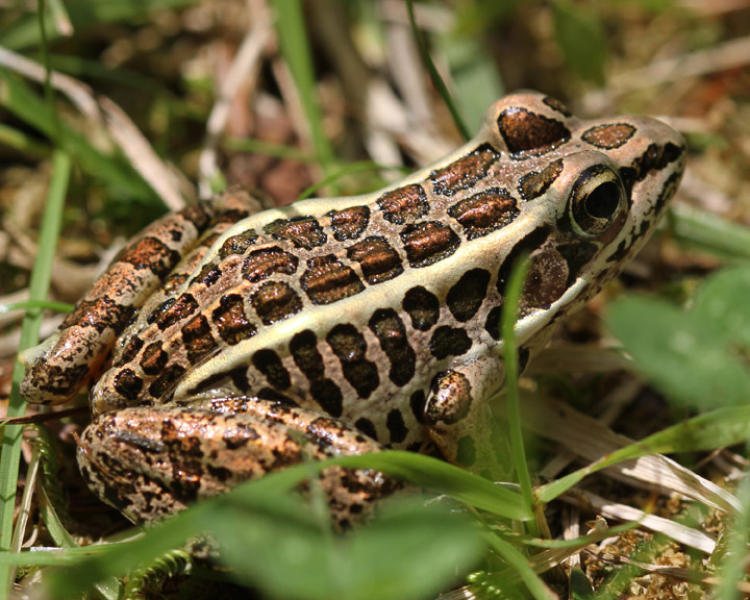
<point x="430" y="473"/>
<point x="444" y="478"/>
<point x="734" y="564"/>
<point x="49" y="93"/>
<point x="83" y="14"/>
<point x="38" y="288"/>
<point x="257" y="146"/>
<point x="512" y="397"/>
<point x="708" y="232"/>
<point x="295" y="49"/>
<point x="722" y="427"/>
<point x="437" y="81"/>
<point x="19" y="99"/>
<point x="357" y="167"/>
<point x="520" y="565"/>
<point x="93" y="70"/>
<point x="20" y="141"/>
<point x="62" y="307"/>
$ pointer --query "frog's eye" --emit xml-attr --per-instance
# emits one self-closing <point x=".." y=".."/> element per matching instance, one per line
<point x="596" y="201"/>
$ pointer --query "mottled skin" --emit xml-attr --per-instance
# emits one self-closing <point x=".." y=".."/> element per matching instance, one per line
<point x="375" y="318"/>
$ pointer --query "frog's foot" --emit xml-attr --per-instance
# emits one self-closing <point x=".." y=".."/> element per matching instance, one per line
<point x="59" y="367"/>
<point x="458" y="417"/>
<point x="149" y="462"/>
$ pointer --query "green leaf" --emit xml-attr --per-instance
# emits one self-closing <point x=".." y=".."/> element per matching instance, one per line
<point x="580" y="37"/>
<point x="477" y="83"/>
<point x="692" y="355"/>
<point x="409" y="551"/>
<point x="580" y="586"/>
<point x="722" y="303"/>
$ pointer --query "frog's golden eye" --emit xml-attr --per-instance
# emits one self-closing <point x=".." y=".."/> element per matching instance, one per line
<point x="596" y="201"/>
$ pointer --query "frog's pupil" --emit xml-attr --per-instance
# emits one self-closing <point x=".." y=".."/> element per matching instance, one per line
<point x="603" y="201"/>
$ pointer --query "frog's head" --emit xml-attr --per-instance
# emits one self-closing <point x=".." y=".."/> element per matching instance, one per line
<point x="592" y="192"/>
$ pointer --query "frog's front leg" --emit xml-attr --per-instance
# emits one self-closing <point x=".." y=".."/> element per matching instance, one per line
<point x="458" y="415"/>
<point x="60" y="366"/>
<point x="152" y="461"/>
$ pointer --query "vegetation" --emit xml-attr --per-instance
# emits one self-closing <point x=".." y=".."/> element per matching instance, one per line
<point x="113" y="112"/>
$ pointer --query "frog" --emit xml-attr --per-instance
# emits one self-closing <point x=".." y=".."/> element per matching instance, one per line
<point x="226" y="342"/>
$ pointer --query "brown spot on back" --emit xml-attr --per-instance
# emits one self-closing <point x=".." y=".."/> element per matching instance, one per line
<point x="529" y="134"/>
<point x="166" y="382"/>
<point x="429" y="242"/>
<point x="348" y="224"/>
<point x="230" y="319"/>
<point x="129" y="350"/>
<point x="128" y="384"/>
<point x="172" y="311"/>
<point x="485" y="212"/>
<point x="303" y="232"/>
<point x="391" y="334"/>
<point x="196" y="336"/>
<point x="422" y="306"/>
<point x="154" y="359"/>
<point x="275" y="301"/>
<point x="467" y="295"/>
<point x="534" y="184"/>
<point x="238" y="244"/>
<point x="555" y="104"/>
<point x="208" y="275"/>
<point x="417" y="403"/>
<point x="492" y="322"/>
<point x="449" y="341"/>
<point x="396" y="426"/>
<point x="403" y="204"/>
<point x="197" y="215"/>
<point x="327" y="280"/>
<point x="367" y="427"/>
<point x="609" y="135"/>
<point x="265" y="262"/>
<point x="304" y="350"/>
<point x="465" y="172"/>
<point x="349" y="346"/>
<point x="99" y="314"/>
<point x="328" y="396"/>
<point x="150" y="253"/>
<point x="269" y="363"/>
<point x="378" y="260"/>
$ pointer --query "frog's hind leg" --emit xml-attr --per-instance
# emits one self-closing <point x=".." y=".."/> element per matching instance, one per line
<point x="60" y="366"/>
<point x="459" y="418"/>
<point x="152" y="461"/>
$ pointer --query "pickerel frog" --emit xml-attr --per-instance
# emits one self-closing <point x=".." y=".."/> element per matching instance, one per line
<point x="224" y="342"/>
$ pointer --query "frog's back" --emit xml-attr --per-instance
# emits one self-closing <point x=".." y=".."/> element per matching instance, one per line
<point x="352" y="305"/>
